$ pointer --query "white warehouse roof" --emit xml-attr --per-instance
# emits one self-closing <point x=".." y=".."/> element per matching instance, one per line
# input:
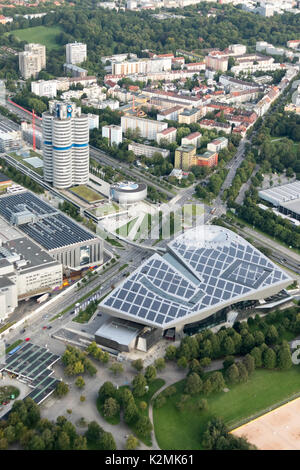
<point x="280" y="194"/>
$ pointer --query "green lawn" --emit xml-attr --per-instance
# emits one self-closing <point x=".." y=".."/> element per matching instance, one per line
<point x="265" y="389"/>
<point x="124" y="230"/>
<point x="86" y="193"/>
<point x="39" y="34"/>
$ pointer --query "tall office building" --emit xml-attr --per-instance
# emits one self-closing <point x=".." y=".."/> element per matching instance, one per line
<point x="75" y="53"/>
<point x="32" y="60"/>
<point x="65" y="145"/>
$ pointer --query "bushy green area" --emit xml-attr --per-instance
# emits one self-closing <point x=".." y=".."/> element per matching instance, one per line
<point x="184" y="430"/>
<point x="7" y="391"/>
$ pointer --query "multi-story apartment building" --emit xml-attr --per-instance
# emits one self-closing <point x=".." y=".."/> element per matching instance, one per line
<point x="136" y="66"/>
<point x="168" y="135"/>
<point x="192" y="139"/>
<point x="217" y="144"/>
<point x="113" y="134"/>
<point x="147" y="150"/>
<point x="66" y="145"/>
<point x="76" y="53"/>
<point x="148" y="128"/>
<point x="32" y="60"/>
<point x="186" y="157"/>
<point x="216" y="60"/>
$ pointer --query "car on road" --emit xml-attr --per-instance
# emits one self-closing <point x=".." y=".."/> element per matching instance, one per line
<point x="27" y="339"/>
<point x="44" y="328"/>
<point x="49" y="327"/>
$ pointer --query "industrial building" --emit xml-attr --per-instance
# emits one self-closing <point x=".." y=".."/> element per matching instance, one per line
<point x="65" y="241"/>
<point x="205" y="272"/>
<point x="66" y="145"/>
<point x="285" y="197"/>
<point x="128" y="192"/>
<point x="32" y="60"/>
<point x="76" y="53"/>
<point x="10" y="136"/>
<point x="26" y="270"/>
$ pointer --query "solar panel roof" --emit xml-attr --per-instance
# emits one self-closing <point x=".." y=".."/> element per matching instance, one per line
<point x="207" y="268"/>
<point x="52" y="229"/>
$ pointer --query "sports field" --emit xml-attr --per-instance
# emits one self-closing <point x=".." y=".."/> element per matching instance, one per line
<point x="276" y="430"/>
<point x="40" y="34"/>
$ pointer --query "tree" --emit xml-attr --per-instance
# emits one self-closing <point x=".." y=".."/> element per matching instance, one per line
<point x="150" y="374"/>
<point x="217" y="381"/>
<point x="243" y="374"/>
<point x="131" y="443"/>
<point x="82" y="398"/>
<point x="193" y="384"/>
<point x="271" y="335"/>
<point x="160" y="364"/>
<point x="116" y="368"/>
<point x="170" y="352"/>
<point x="182" y="362"/>
<point x="139" y="385"/>
<point x="107" y="390"/>
<point x="143" y="405"/>
<point x="62" y="389"/>
<point x="249" y="363"/>
<point x="284" y="359"/>
<point x="269" y="359"/>
<point x="143" y="425"/>
<point x="93" y="432"/>
<point x="256" y="353"/>
<point x="232" y="374"/>
<point x="79" y="382"/>
<point x="160" y="401"/>
<point x="107" y="441"/>
<point x="138" y="364"/>
<point x="111" y="407"/>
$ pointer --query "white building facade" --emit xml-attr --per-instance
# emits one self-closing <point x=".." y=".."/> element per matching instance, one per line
<point x="65" y="145"/>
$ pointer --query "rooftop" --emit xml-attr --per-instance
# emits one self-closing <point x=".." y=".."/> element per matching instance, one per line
<point x="48" y="226"/>
<point x="206" y="268"/>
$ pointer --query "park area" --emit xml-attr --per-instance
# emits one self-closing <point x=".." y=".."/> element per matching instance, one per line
<point x="276" y="430"/>
<point x="7" y="393"/>
<point x="86" y="193"/>
<point x="265" y="389"/>
<point x="39" y="34"/>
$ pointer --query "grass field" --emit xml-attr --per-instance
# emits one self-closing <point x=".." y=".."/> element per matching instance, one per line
<point x="39" y="34"/>
<point x="124" y="230"/>
<point x="265" y="389"/>
<point x="86" y="193"/>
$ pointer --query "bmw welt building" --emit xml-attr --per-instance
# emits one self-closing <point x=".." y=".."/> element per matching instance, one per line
<point x="205" y="271"/>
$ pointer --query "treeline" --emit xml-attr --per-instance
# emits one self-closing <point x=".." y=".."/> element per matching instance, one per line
<point x="196" y="352"/>
<point x="20" y="178"/>
<point x="242" y="175"/>
<point x="268" y="222"/>
<point x="26" y="428"/>
<point x="212" y="189"/>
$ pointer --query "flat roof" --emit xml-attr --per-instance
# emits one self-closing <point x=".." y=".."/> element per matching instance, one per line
<point x="52" y="229"/>
<point x="214" y="267"/>
<point x="281" y="194"/>
<point x="292" y="206"/>
<point x="121" y="331"/>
